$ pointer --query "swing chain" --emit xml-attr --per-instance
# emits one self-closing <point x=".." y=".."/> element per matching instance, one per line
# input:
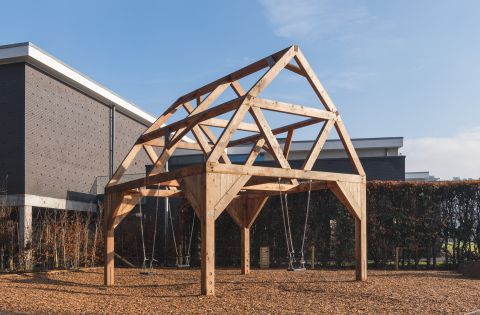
<point x="287" y="228"/>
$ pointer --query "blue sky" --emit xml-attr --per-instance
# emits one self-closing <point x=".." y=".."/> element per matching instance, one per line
<point x="393" y="68"/>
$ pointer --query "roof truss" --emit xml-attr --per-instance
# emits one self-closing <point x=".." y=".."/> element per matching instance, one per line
<point x="218" y="184"/>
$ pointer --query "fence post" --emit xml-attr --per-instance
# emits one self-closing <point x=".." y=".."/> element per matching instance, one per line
<point x="312" y="256"/>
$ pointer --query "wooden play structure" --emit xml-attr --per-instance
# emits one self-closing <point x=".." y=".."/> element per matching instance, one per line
<point x="218" y="184"/>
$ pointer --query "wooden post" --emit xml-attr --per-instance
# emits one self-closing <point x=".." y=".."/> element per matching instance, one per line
<point x="208" y="237"/>
<point x="361" y="239"/>
<point x="245" y="250"/>
<point x="109" y="241"/>
<point x="109" y="256"/>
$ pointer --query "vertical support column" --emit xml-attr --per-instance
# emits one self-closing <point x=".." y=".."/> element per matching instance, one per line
<point x="109" y="267"/>
<point x="361" y="237"/>
<point x="109" y="243"/>
<point x="245" y="231"/>
<point x="25" y="234"/>
<point x="208" y="236"/>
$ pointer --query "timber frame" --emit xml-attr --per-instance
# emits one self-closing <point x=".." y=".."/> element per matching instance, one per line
<point x="242" y="190"/>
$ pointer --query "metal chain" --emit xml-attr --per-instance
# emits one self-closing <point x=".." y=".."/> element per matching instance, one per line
<point x="191" y="236"/>
<point x="154" y="232"/>
<point x="288" y="239"/>
<point x="288" y="225"/>
<point x="306" y="221"/>
<point x="173" y="230"/>
<point x="143" y="239"/>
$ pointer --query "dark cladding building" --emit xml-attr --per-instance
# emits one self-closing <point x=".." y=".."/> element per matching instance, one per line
<point x="61" y="134"/>
<point x="59" y="130"/>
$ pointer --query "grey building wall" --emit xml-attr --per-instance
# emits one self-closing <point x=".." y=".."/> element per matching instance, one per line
<point x="56" y="138"/>
<point x="12" y="140"/>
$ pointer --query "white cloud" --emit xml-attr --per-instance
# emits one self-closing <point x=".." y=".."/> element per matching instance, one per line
<point x="315" y="19"/>
<point x="446" y="157"/>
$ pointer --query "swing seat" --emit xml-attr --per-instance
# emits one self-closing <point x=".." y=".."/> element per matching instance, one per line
<point x="297" y="266"/>
<point x="183" y="265"/>
<point x="297" y="269"/>
<point x="185" y="262"/>
<point x="146" y="273"/>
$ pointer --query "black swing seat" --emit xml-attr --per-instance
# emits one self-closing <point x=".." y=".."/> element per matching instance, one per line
<point x="297" y="269"/>
<point x="146" y="273"/>
<point x="185" y="262"/>
<point x="183" y="265"/>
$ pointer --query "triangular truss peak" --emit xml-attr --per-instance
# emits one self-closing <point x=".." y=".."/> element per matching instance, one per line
<point x="218" y="184"/>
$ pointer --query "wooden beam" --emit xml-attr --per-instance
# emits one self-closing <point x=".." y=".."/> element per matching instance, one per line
<point x="314" y="82"/>
<point x="240" y="181"/>
<point x="125" y="164"/>
<point x="245" y="254"/>
<point x="245" y="71"/>
<point x="253" y="208"/>
<point x="237" y="88"/>
<point x="341" y="191"/>
<point x="152" y="155"/>
<point x="361" y="239"/>
<point x="270" y="139"/>
<point x="288" y="188"/>
<point x="181" y="132"/>
<point x="288" y="143"/>
<point x="227" y="133"/>
<point x="291" y="108"/>
<point x="274" y="70"/>
<point x="162" y="193"/>
<point x="318" y="145"/>
<point x="276" y="131"/>
<point x="348" y="145"/>
<point x="207" y="220"/>
<point x="160" y="142"/>
<point x="192" y="119"/>
<point x="295" y="69"/>
<point x="157" y="178"/>
<point x="222" y="123"/>
<point x="274" y="172"/>
<point x="210" y="135"/>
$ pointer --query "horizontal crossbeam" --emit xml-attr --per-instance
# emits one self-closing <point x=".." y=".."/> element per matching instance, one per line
<point x="275" y="172"/>
<point x="297" y="125"/>
<point x="293" y="109"/>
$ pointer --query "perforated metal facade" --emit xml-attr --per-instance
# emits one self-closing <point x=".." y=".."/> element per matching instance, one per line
<point x="58" y="136"/>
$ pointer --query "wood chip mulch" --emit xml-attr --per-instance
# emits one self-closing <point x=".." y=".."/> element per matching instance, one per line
<point x="262" y="292"/>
